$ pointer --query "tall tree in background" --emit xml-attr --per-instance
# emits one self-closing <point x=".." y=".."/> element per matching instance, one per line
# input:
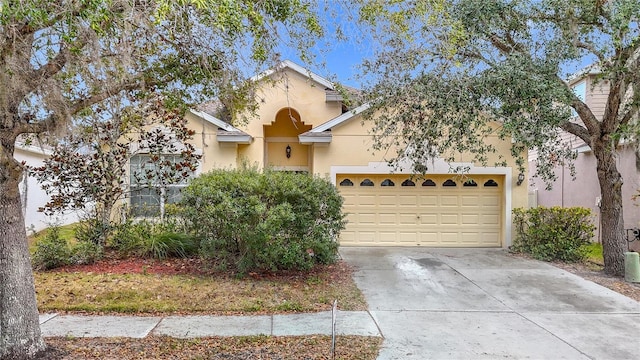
<point x="446" y="69"/>
<point x="60" y="60"/>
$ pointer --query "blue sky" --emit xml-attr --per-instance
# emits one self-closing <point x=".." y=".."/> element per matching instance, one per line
<point x="342" y="57"/>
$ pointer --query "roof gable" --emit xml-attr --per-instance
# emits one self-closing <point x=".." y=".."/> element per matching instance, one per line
<point x="322" y="134"/>
<point x="288" y="64"/>
<point x="226" y="132"/>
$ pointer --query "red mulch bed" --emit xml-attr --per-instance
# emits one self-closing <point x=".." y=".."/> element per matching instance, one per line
<point x="171" y="266"/>
<point x="113" y="264"/>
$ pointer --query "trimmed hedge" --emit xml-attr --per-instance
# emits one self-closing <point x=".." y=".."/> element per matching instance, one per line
<point x="270" y="220"/>
<point x="554" y="233"/>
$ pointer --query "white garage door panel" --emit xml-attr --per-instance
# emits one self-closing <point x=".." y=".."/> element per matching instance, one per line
<point x="438" y="215"/>
<point x="449" y="219"/>
<point x="407" y="219"/>
<point x="428" y="200"/>
<point x="490" y="219"/>
<point x="426" y="219"/>
<point x="408" y="237"/>
<point x="366" y="200"/>
<point x="408" y="200"/>
<point x="449" y="201"/>
<point x="470" y="219"/>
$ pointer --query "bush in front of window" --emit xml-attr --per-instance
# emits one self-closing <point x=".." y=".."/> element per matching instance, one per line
<point x="554" y="233"/>
<point x="149" y="239"/>
<point x="256" y="221"/>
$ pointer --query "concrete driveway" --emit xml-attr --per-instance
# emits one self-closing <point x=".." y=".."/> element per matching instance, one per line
<point x="485" y="304"/>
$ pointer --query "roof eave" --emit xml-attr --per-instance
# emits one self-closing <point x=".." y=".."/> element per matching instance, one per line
<point x="213" y="120"/>
<point x="315" y="139"/>
<point x="340" y="119"/>
<point x="297" y="68"/>
<point x="238" y="139"/>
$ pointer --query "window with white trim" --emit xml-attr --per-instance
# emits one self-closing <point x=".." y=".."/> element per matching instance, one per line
<point x="154" y="186"/>
<point x="580" y="89"/>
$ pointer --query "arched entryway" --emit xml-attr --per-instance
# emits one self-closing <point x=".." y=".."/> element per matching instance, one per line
<point x="283" y="150"/>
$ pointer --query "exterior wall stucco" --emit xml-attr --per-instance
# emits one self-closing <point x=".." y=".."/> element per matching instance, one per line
<point x="584" y="191"/>
<point x="34" y="197"/>
<point x="291" y="90"/>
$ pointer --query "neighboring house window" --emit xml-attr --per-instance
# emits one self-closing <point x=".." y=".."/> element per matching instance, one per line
<point x="150" y="191"/>
<point x="580" y="89"/>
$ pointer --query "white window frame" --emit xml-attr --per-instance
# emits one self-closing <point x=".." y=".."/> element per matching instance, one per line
<point x="580" y="90"/>
<point x="160" y="198"/>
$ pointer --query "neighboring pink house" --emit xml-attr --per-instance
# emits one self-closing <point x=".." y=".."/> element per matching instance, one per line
<point x="584" y="191"/>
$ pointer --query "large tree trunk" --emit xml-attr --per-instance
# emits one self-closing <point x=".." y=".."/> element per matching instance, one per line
<point x="612" y="221"/>
<point x="20" y="336"/>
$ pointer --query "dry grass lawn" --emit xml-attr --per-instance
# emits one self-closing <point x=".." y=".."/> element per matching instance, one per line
<point x="255" y="347"/>
<point x="176" y="287"/>
<point x="90" y="292"/>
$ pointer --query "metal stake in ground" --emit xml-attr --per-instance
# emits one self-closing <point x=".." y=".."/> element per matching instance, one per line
<point x="334" y="310"/>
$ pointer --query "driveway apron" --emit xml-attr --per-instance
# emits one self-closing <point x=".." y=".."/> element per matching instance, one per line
<point x="486" y="304"/>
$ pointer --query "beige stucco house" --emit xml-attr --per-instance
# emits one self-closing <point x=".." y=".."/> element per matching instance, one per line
<point x="303" y="125"/>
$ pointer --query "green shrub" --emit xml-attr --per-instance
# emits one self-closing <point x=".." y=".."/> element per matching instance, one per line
<point x="553" y="233"/>
<point x="169" y="244"/>
<point x="129" y="237"/>
<point x="52" y="251"/>
<point x="264" y="221"/>
<point x="85" y="252"/>
<point x="92" y="230"/>
<point x="156" y="240"/>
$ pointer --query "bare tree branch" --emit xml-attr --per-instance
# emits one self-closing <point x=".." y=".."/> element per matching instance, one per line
<point x="629" y="115"/>
<point x="41" y="126"/>
<point x="589" y="47"/>
<point x="617" y="89"/>
<point x="577" y="130"/>
<point x="84" y="103"/>
<point x="499" y="44"/>
<point x="586" y="115"/>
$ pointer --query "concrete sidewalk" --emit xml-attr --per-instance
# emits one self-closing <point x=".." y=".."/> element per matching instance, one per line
<point x="347" y="323"/>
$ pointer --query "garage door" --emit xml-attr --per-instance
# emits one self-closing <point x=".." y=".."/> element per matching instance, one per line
<point x="433" y="210"/>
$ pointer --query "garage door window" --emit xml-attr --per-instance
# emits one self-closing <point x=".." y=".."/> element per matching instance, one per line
<point x="470" y="183"/>
<point x="449" y="183"/>
<point x="428" y="182"/>
<point x="366" y="182"/>
<point x="408" y="182"/>
<point x="346" y="182"/>
<point x="387" y="182"/>
<point x="491" y="183"/>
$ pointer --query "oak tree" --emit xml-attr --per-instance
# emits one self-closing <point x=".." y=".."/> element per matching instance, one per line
<point x="62" y="59"/>
<point x="444" y="70"/>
